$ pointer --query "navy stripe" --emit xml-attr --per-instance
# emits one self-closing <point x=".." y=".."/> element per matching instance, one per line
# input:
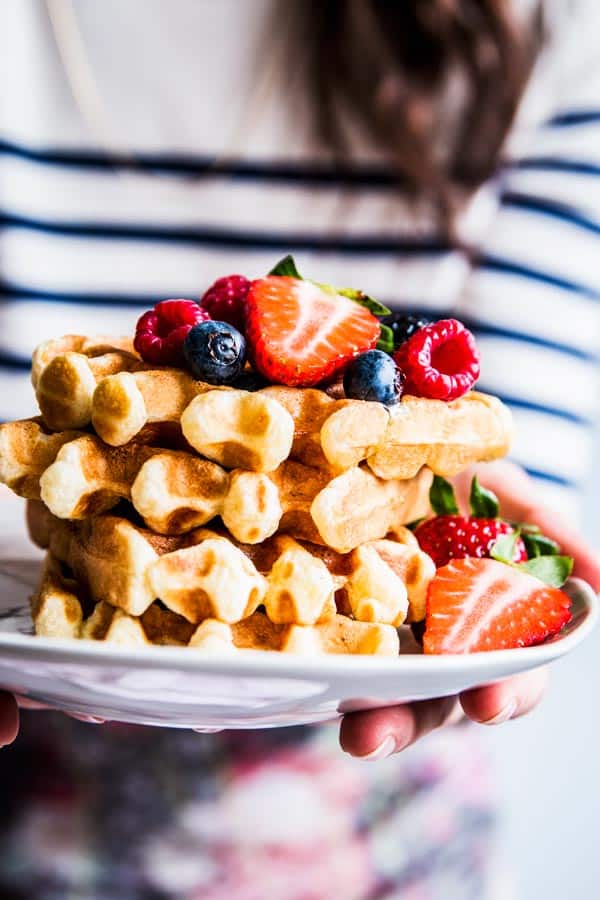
<point x="549" y="208"/>
<point x="20" y="292"/>
<point x="13" y="362"/>
<point x="554" y="164"/>
<point x="506" y="333"/>
<point x="575" y="117"/>
<point x="482" y="328"/>
<point x="521" y="403"/>
<point x="252" y="241"/>
<point x="306" y="173"/>
<point x="553" y="479"/>
<point x="507" y="266"/>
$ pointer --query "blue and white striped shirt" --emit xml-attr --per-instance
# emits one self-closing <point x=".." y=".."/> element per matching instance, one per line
<point x="102" y="216"/>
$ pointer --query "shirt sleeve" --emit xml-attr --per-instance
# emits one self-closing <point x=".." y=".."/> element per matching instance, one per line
<point x="533" y="299"/>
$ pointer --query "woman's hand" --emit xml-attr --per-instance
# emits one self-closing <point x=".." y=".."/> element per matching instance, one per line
<point x="380" y="732"/>
<point x="9" y="719"/>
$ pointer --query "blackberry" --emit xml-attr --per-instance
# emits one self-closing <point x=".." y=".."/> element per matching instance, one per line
<point x="404" y="326"/>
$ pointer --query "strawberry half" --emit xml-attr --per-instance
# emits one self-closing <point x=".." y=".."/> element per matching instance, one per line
<point x="299" y="333"/>
<point x="482" y="604"/>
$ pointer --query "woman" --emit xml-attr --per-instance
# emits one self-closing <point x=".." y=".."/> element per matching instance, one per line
<point x="148" y="149"/>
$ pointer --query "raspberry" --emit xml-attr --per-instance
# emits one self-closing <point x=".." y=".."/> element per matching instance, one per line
<point x="440" y="361"/>
<point x="225" y="301"/>
<point x="160" y="332"/>
<point x="453" y="537"/>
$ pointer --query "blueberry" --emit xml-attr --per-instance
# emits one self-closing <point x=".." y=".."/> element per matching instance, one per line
<point x="215" y="352"/>
<point x="374" y="376"/>
<point x="404" y="326"/>
<point x="250" y="381"/>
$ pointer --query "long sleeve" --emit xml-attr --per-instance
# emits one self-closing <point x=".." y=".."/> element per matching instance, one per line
<point x="534" y="298"/>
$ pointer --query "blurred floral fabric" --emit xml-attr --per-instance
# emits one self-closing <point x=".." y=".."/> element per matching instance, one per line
<point x="105" y="812"/>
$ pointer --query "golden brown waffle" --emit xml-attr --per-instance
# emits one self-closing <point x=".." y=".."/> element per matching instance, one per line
<point x="337" y="635"/>
<point x="207" y="574"/>
<point x="446" y="437"/>
<point x="91" y="347"/>
<point x="175" y="491"/>
<point x="79" y="380"/>
<point x="56" y="607"/>
<point x="57" y="612"/>
<point x="65" y="372"/>
<point x="257" y="431"/>
<point x="26" y="451"/>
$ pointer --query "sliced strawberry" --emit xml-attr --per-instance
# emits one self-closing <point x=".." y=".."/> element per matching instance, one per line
<point x="299" y="333"/>
<point x="482" y="604"/>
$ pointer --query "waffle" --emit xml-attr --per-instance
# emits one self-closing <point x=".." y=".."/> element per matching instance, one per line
<point x="58" y="612"/>
<point x="77" y="475"/>
<point x="206" y="574"/>
<point x="26" y="451"/>
<point x="99" y="380"/>
<point x="258" y="431"/>
<point x="65" y="373"/>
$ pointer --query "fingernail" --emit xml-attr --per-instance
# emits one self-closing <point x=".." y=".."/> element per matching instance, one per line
<point x="504" y="715"/>
<point x="385" y="748"/>
<point x="90" y="720"/>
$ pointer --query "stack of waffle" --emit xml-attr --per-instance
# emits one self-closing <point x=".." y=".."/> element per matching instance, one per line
<point x="174" y="512"/>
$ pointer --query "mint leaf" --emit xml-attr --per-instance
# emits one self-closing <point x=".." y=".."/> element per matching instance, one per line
<point x="484" y="504"/>
<point x="441" y="497"/>
<point x="504" y="547"/>
<point x="286" y="266"/>
<point x="539" y="545"/>
<point x="374" y="306"/>
<point x="553" y="570"/>
<point x="386" y="339"/>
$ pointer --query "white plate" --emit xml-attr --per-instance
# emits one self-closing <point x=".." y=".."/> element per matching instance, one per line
<point x="178" y="687"/>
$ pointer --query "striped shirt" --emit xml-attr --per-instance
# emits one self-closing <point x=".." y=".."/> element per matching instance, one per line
<point x="150" y="149"/>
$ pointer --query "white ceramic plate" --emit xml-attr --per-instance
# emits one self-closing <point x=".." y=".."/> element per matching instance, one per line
<point x="178" y="687"/>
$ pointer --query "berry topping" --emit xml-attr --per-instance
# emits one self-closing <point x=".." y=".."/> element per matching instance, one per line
<point x="225" y="301"/>
<point x="403" y="327"/>
<point x="374" y="376"/>
<point x="453" y="537"/>
<point x="300" y="333"/>
<point x="483" y="604"/>
<point x="440" y="361"/>
<point x="160" y="332"/>
<point x="215" y="352"/>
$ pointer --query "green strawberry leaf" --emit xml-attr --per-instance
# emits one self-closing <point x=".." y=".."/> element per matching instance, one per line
<point x="539" y="545"/>
<point x="441" y="497"/>
<point x="484" y="504"/>
<point x="412" y="526"/>
<point x="374" y="306"/>
<point x="526" y="528"/>
<point x="553" y="570"/>
<point x="286" y="266"/>
<point x="504" y="547"/>
<point x="386" y="340"/>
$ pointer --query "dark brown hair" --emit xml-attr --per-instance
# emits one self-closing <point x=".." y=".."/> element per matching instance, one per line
<point x="388" y="68"/>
